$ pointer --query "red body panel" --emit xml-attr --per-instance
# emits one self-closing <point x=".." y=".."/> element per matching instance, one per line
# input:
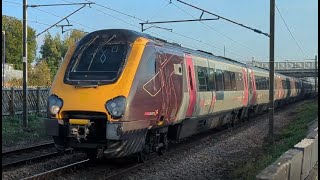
<point x="191" y="85"/>
<point x="254" y="89"/>
<point x="245" y="85"/>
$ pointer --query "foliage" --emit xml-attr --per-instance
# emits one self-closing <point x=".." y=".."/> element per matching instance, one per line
<point x="284" y="140"/>
<point x="13" y="41"/>
<point x="54" y="49"/>
<point x="38" y="76"/>
<point x="13" y="132"/>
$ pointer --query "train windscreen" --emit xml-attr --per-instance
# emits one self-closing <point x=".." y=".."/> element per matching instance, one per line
<point x="98" y="59"/>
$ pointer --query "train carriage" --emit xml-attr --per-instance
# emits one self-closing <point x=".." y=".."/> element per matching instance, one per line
<point x="120" y="92"/>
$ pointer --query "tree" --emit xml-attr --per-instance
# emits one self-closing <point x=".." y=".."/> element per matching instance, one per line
<point x="72" y="37"/>
<point x="13" y="32"/>
<point x="54" y="49"/>
<point x="38" y="76"/>
<point x="51" y="51"/>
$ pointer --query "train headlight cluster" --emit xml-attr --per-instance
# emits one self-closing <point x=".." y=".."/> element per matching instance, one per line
<point x="116" y="107"/>
<point x="54" y="104"/>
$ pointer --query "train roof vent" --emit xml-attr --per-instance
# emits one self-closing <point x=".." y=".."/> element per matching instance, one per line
<point x="205" y="52"/>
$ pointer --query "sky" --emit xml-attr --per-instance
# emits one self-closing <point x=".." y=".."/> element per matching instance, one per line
<point x="218" y="36"/>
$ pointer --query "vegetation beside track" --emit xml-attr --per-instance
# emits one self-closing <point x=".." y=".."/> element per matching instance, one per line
<point x="284" y="140"/>
<point x="14" y="134"/>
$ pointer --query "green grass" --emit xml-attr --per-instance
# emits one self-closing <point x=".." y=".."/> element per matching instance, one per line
<point x="13" y="132"/>
<point x="284" y="140"/>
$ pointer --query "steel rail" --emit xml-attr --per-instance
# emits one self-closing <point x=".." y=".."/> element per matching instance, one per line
<point x="43" y="144"/>
<point x="31" y="159"/>
<point x="51" y="174"/>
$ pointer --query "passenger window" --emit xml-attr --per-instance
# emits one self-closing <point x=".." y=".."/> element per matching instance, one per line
<point x="233" y="81"/>
<point x="227" y="81"/>
<point x="219" y="80"/>
<point x="211" y="79"/>
<point x="258" y="84"/>
<point x="202" y="78"/>
<point x="240" y="81"/>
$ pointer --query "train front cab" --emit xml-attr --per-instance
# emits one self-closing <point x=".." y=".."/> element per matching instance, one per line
<point x="90" y="92"/>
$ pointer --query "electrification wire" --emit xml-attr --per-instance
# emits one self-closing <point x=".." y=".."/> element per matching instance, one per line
<point x="134" y="25"/>
<point x="63" y="17"/>
<point x="60" y="20"/>
<point x="138" y="26"/>
<point x="134" y="17"/>
<point x="160" y="10"/>
<point x="12" y="2"/>
<point x="116" y="11"/>
<point x="217" y="30"/>
<point x="284" y="21"/>
<point x="51" y="14"/>
<point x="130" y="23"/>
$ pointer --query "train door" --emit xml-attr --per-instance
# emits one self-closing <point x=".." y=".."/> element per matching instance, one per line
<point x="252" y="88"/>
<point x="212" y="85"/>
<point x="204" y="95"/>
<point x="191" y="85"/>
<point x="245" y="87"/>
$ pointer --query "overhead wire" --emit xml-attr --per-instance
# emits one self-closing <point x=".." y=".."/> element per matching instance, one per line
<point x="284" y="21"/>
<point x="160" y="10"/>
<point x="134" y="17"/>
<point x="210" y="27"/>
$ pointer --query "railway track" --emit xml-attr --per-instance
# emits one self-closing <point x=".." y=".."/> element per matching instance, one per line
<point x="117" y="172"/>
<point x="29" y="154"/>
<point x="58" y="171"/>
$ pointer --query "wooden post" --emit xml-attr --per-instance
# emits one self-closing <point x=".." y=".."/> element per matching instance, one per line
<point x="11" y="105"/>
<point x="38" y="100"/>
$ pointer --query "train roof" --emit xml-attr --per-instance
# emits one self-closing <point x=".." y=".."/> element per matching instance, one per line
<point x="134" y="34"/>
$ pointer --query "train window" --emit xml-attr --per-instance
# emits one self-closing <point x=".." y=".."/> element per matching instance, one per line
<point x="202" y="78"/>
<point x="219" y="80"/>
<point x="233" y="81"/>
<point x="227" y="80"/>
<point x="239" y="81"/>
<point x="98" y="59"/>
<point x="259" y="82"/>
<point x="284" y="84"/>
<point x="151" y="64"/>
<point x="211" y="79"/>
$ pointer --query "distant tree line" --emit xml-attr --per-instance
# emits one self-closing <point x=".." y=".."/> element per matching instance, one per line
<point x="52" y="51"/>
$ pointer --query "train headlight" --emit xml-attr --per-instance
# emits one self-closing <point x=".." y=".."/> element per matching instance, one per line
<point x="54" y="104"/>
<point x="116" y="106"/>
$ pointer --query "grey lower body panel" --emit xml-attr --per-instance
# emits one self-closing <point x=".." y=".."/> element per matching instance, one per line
<point x="122" y="138"/>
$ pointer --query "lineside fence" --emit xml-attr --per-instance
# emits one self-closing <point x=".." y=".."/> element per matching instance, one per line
<point x="12" y="101"/>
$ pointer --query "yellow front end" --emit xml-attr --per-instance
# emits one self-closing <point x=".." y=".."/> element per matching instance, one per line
<point x="94" y="98"/>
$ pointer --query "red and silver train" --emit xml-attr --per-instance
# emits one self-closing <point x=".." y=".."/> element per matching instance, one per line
<point x="121" y="92"/>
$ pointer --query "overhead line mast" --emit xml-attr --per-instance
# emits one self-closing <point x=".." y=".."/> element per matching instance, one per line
<point x="25" y="52"/>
